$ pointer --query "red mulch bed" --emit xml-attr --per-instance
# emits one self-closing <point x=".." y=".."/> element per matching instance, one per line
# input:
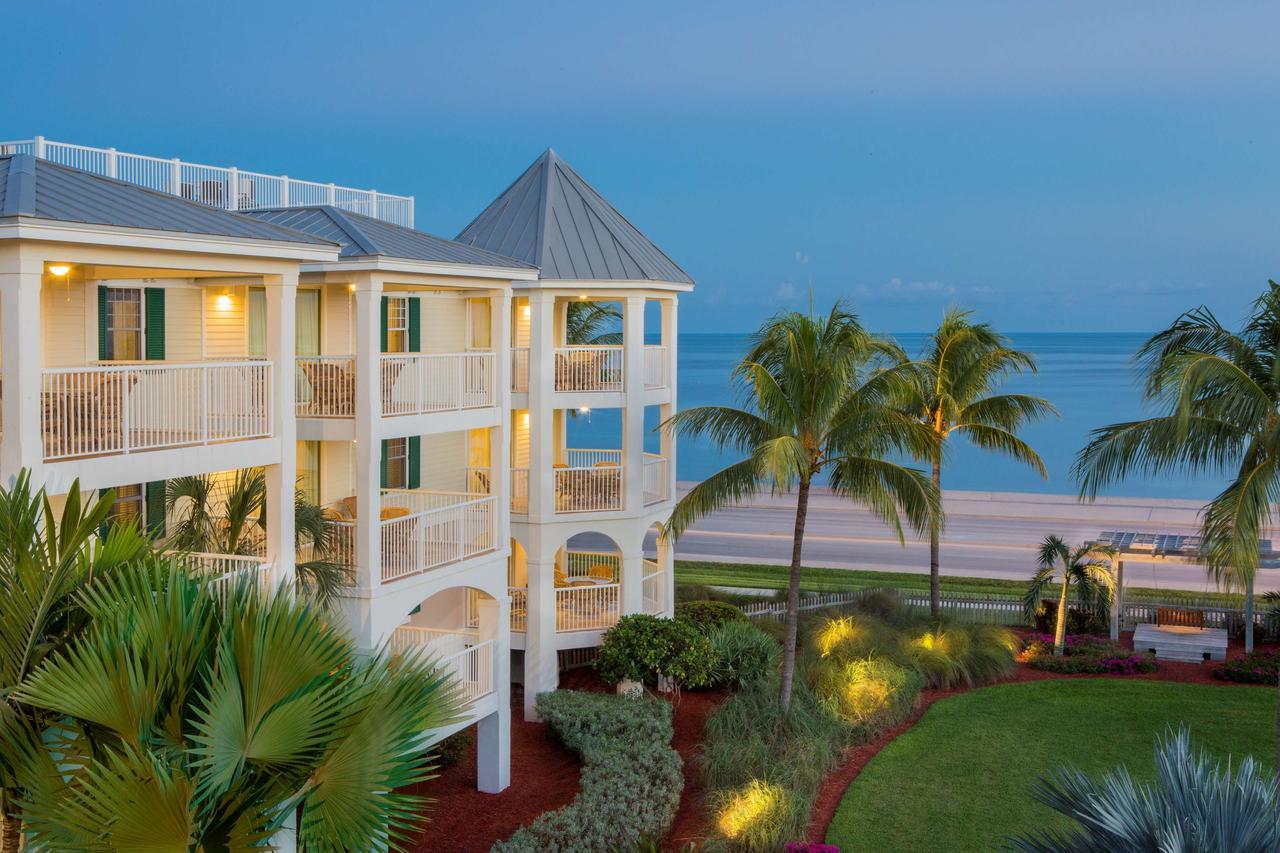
<point x="855" y="758"/>
<point x="690" y="719"/>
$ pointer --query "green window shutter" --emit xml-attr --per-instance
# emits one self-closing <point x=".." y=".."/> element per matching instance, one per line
<point x="386" y="307"/>
<point x="102" y="323"/>
<point x="414" y="478"/>
<point x="415" y="325"/>
<point x="383" y="468"/>
<point x="154" y="322"/>
<point x="155" y="508"/>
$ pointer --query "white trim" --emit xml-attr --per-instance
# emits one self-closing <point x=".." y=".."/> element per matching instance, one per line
<point x="404" y="265"/>
<point x="29" y="228"/>
<point x="572" y="286"/>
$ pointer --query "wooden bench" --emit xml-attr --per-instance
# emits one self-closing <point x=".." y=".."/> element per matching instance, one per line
<point x="1179" y="634"/>
<point x="1179" y="617"/>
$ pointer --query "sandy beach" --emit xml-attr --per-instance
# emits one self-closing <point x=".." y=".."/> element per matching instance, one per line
<point x="988" y="534"/>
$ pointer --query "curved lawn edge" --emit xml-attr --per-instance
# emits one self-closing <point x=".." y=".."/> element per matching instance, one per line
<point x="838" y="781"/>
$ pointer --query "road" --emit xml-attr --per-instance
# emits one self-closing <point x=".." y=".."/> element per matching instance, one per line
<point x="987" y="535"/>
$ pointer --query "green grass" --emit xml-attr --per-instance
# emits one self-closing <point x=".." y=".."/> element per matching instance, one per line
<point x="812" y="579"/>
<point x="960" y="779"/>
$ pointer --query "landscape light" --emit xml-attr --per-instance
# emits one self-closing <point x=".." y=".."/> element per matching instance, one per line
<point x="748" y="806"/>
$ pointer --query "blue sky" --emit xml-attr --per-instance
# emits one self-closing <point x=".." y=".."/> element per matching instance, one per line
<point x="1073" y="166"/>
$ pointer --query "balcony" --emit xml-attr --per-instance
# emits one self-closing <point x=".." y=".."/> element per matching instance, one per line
<point x="229" y="568"/>
<point x="657" y="367"/>
<point x="117" y="408"/>
<point x="228" y="188"/>
<point x="589" y="594"/>
<point x="421" y="530"/>
<point x="589" y="368"/>
<point x="468" y="661"/>
<point x="654" y="589"/>
<point x="520" y="369"/>
<point x="592" y="481"/>
<point x="411" y="384"/>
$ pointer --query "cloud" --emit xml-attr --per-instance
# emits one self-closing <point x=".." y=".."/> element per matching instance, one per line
<point x="786" y="292"/>
<point x="801" y="258"/>
<point x="896" y="287"/>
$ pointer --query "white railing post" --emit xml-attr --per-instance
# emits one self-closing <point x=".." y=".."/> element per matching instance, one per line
<point x="38" y="147"/>
<point x="284" y="190"/>
<point x="175" y="176"/>
<point x="373" y="203"/>
<point x="233" y="181"/>
<point x="410" y="222"/>
<point x="112" y="169"/>
<point x="333" y="194"/>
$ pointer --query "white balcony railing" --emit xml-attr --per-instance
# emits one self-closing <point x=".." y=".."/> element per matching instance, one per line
<point x="657" y="366"/>
<point x="470" y="663"/>
<point x="520" y="369"/>
<point x="656" y="483"/>
<point x="217" y="186"/>
<point x="424" y="530"/>
<point x="228" y="568"/>
<point x="520" y="491"/>
<point x="589" y="368"/>
<point x="127" y="408"/>
<point x="325" y="386"/>
<point x="587" y="608"/>
<point x="519" y="607"/>
<point x="592" y="565"/>
<point x="654" y="588"/>
<point x="589" y="481"/>
<point x="417" y="384"/>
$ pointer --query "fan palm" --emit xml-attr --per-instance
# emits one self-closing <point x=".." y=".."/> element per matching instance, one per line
<point x="952" y="394"/>
<point x="592" y="323"/>
<point x="46" y="561"/>
<point x="818" y="402"/>
<point x="1087" y="567"/>
<point x="1193" y="805"/>
<point x="1218" y="393"/>
<point x="209" y="518"/>
<point x="200" y="716"/>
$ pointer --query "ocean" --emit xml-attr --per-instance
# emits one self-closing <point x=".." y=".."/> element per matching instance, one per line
<point x="1089" y="377"/>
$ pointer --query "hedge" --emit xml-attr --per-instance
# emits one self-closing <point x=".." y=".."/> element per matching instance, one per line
<point x="631" y="777"/>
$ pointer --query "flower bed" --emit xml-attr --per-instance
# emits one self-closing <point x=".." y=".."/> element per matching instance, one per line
<point x="1255" y="668"/>
<point x="1085" y="655"/>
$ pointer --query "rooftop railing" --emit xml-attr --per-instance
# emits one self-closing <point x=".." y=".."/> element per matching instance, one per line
<point x="225" y="187"/>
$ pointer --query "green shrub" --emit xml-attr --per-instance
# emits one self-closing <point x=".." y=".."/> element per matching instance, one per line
<point x="641" y="647"/>
<point x="1079" y="621"/>
<point x="631" y="778"/>
<point x="870" y="693"/>
<point x="1085" y="655"/>
<point x="705" y="615"/>
<point x="1255" y="668"/>
<point x="744" y="654"/>
<point x="450" y="750"/>
<point x="970" y="655"/>
<point x="754" y="816"/>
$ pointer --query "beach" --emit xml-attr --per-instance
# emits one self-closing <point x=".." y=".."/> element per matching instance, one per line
<point x="988" y="534"/>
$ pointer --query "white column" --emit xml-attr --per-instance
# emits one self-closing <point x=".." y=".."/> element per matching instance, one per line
<point x="666" y="561"/>
<point x="633" y="415"/>
<point x="20" y="280"/>
<point x="368" y="446"/>
<point x="282" y="297"/>
<point x="670" y="341"/>
<point x="633" y="580"/>
<point x="541" y="406"/>
<point x="500" y="438"/>
<point x="541" y="664"/>
<point x="493" y="733"/>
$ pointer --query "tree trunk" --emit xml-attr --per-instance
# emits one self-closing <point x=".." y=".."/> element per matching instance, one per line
<point x="1248" y="614"/>
<point x="1060" y="630"/>
<point x="793" y="600"/>
<point x="10" y="834"/>
<point x="935" y="580"/>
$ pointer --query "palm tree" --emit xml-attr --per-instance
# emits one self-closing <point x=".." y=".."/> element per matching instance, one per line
<point x="952" y="394"/>
<point x="818" y="402"/>
<point x="1218" y="395"/>
<point x="592" y="323"/>
<point x="1088" y="567"/>
<point x="207" y="518"/>
<point x="46" y="562"/>
<point x="240" y="709"/>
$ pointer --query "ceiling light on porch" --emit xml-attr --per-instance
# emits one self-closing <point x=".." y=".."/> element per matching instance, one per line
<point x="59" y="270"/>
<point x="584" y="410"/>
<point x="223" y="302"/>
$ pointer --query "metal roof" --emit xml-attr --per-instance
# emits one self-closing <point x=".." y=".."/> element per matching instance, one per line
<point x="363" y="236"/>
<point x="43" y="190"/>
<point x="554" y="219"/>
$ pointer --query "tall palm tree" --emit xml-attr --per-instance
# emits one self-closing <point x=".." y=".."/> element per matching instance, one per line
<point x="1087" y="567"/>
<point x="208" y="518"/>
<point x="817" y="402"/>
<point x="241" y="707"/>
<point x="961" y="366"/>
<point x="1217" y="394"/>
<point x="47" y="561"/>
<point x="589" y="322"/>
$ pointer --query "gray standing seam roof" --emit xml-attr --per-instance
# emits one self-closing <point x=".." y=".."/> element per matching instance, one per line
<point x="554" y="219"/>
<point x="43" y="190"/>
<point x="364" y="236"/>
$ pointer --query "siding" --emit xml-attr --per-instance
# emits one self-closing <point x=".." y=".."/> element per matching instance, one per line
<point x="520" y="325"/>
<point x="336" y="320"/>
<point x="64" y="325"/>
<point x="182" y="324"/>
<point x="336" y="476"/>
<point x="444" y="460"/>
<point x="520" y="439"/>
<point x="444" y="324"/>
<point x="226" y="329"/>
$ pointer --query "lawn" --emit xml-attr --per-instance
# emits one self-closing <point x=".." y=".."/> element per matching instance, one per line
<point x="960" y="779"/>
<point x="812" y="579"/>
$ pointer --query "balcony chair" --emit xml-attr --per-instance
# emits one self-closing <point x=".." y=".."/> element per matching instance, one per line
<point x="89" y="418"/>
<point x="600" y="571"/>
<point x="333" y="388"/>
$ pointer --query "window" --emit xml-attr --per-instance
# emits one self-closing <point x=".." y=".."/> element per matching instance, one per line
<point x="397" y="324"/>
<point x="397" y="450"/>
<point x="123" y="324"/>
<point x="128" y="506"/>
<point x="307" y="323"/>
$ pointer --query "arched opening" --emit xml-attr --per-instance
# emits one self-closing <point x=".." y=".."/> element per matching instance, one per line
<point x="457" y="628"/>
<point x="654" y="576"/>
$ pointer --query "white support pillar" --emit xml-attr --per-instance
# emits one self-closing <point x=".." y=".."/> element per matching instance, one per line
<point x="282" y="298"/>
<point x="541" y="406"/>
<point x="633" y="579"/>
<point x="541" y="663"/>
<point x="500" y="438"/>
<point x="670" y="341"/>
<point x="21" y="276"/>
<point x="493" y="733"/>
<point x="633" y="415"/>
<point x="368" y="444"/>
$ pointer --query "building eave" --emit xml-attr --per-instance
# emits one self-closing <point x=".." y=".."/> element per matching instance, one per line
<point x="381" y="263"/>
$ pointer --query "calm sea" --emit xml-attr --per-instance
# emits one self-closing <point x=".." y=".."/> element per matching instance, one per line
<point x="1089" y="377"/>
